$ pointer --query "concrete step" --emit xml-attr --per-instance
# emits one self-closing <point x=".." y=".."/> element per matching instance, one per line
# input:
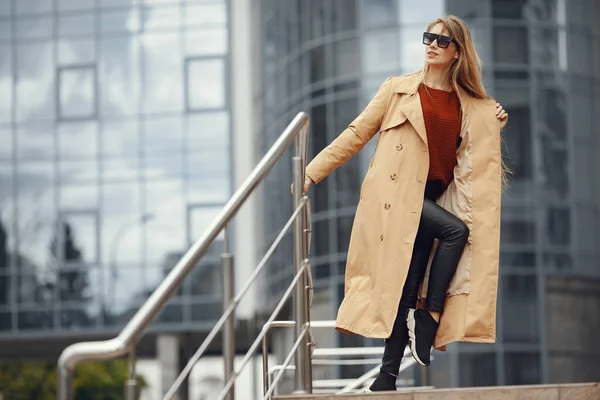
<point x="578" y="391"/>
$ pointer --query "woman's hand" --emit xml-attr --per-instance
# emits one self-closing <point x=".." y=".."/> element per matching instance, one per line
<point x="307" y="183"/>
<point x="502" y="115"/>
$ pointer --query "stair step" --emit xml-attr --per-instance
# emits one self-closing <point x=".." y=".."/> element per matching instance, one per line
<point x="576" y="391"/>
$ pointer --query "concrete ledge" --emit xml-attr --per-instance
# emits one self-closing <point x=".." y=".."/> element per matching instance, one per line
<point x="576" y="391"/>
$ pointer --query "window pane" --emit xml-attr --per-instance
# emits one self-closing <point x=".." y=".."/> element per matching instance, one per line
<point x="76" y="51"/>
<point x="207" y="188"/>
<point x="78" y="238"/>
<point x="77" y="92"/>
<point x="166" y="233"/>
<point x="120" y="138"/>
<point x="510" y="45"/>
<point x="119" y="170"/>
<point x="380" y="50"/>
<point x="80" y="196"/>
<point x="206" y="42"/>
<point x="35" y="202"/>
<point x="579" y="55"/>
<point x="163" y="80"/>
<point x="208" y="130"/>
<point x="67" y="5"/>
<point x="76" y="25"/>
<point x="517" y="143"/>
<point x="518" y="232"/>
<point x="5" y="30"/>
<point x="558" y="226"/>
<point x="160" y="17"/>
<point x="117" y="3"/>
<point x="346" y="58"/>
<point x="378" y="12"/>
<point x="412" y="13"/>
<point x="518" y="259"/>
<point x="6" y="144"/>
<point x="35" y="142"/>
<point x="78" y="140"/>
<point x="121" y="210"/>
<point x="477" y="369"/>
<point x="23" y="7"/>
<point x="163" y="136"/>
<point x="412" y="51"/>
<point x="206" y="83"/>
<point x="35" y="82"/>
<point x="120" y="21"/>
<point x="205" y="15"/>
<point x="5" y="8"/>
<point x="508" y="9"/>
<point x="6" y="84"/>
<point x="554" y="174"/>
<point x="522" y="368"/>
<point x="520" y="309"/>
<point x="200" y="219"/>
<point x="119" y="76"/>
<point x="553" y="107"/>
<point x="34" y="28"/>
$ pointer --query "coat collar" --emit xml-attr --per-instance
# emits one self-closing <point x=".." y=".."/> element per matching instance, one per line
<point x="411" y="104"/>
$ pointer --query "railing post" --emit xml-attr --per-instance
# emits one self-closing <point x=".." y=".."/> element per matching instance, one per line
<point x="229" y="327"/>
<point x="300" y="359"/>
<point x="131" y="385"/>
<point x="65" y="387"/>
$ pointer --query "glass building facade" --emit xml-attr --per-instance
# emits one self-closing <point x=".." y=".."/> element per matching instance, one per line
<point x="114" y="157"/>
<point x="328" y="57"/>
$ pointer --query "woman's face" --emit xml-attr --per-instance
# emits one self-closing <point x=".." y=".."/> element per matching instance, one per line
<point x="436" y="55"/>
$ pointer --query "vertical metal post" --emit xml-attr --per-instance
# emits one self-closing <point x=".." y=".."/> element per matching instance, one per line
<point x="131" y="385"/>
<point x="229" y="327"/>
<point x="65" y="387"/>
<point x="299" y="298"/>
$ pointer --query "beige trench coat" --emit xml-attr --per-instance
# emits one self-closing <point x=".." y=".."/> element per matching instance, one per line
<point x="389" y="210"/>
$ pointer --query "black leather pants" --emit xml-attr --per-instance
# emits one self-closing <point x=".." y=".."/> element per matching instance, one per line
<point x="435" y="223"/>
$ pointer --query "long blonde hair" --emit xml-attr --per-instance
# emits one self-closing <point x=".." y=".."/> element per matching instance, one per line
<point x="466" y="70"/>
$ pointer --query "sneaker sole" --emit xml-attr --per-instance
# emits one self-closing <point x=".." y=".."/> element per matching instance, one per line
<point x="410" y="322"/>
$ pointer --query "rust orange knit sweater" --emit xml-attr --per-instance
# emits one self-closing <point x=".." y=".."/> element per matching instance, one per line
<point x="441" y="112"/>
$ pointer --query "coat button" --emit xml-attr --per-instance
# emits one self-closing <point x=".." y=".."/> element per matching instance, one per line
<point x="381" y="238"/>
<point x="387" y="206"/>
<point x="393" y="177"/>
<point x="399" y="147"/>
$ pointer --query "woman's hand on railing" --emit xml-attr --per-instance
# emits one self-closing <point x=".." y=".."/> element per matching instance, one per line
<point x="307" y="183"/>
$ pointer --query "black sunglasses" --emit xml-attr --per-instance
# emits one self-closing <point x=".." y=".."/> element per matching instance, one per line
<point x="442" y="41"/>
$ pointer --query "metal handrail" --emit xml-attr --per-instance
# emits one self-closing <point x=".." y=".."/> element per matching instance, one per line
<point x="133" y="331"/>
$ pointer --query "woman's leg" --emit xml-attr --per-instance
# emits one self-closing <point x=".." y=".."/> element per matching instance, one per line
<point x="452" y="234"/>
<point x="398" y="340"/>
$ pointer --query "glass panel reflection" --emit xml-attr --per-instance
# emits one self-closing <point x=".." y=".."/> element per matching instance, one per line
<point x="160" y="17"/>
<point x="76" y="51"/>
<point x="119" y="76"/>
<point x="24" y="7"/>
<point x="35" y="142"/>
<point x="163" y="75"/>
<point x="34" y="28"/>
<point x="205" y="15"/>
<point x="35" y="82"/>
<point x="76" y="25"/>
<point x="120" y="21"/>
<point x="522" y="368"/>
<point x="78" y="140"/>
<point x="520" y="309"/>
<point x="206" y="83"/>
<point x="77" y="92"/>
<point x="206" y="42"/>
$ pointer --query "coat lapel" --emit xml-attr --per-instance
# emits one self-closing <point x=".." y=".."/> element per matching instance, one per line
<point x="411" y="107"/>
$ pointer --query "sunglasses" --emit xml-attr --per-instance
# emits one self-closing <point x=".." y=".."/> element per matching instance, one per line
<point x="442" y="41"/>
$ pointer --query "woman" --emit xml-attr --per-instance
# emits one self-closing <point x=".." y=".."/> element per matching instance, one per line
<point x="428" y="219"/>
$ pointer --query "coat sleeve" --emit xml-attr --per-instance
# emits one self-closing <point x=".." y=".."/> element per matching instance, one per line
<point x="353" y="138"/>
